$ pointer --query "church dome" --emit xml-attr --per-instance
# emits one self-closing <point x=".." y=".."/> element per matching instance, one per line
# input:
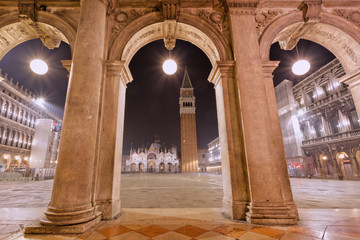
<point x="156" y="145"/>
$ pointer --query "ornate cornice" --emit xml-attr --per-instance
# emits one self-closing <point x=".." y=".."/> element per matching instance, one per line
<point x="350" y="15"/>
<point x="243" y="7"/>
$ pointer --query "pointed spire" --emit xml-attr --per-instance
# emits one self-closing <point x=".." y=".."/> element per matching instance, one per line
<point x="186" y="80"/>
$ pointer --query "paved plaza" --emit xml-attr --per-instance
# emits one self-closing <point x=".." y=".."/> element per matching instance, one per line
<point x="185" y="191"/>
<point x="153" y="199"/>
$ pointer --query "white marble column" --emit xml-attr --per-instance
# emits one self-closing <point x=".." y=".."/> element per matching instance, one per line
<point x="236" y="195"/>
<point x="72" y="195"/>
<point x="268" y="205"/>
<point x="107" y="192"/>
<point x="280" y="157"/>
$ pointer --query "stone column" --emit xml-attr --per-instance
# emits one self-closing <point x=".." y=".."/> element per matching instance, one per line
<point x="268" y="69"/>
<point x="233" y="162"/>
<point x="353" y="80"/>
<point x="72" y="195"/>
<point x="107" y="191"/>
<point x="268" y="205"/>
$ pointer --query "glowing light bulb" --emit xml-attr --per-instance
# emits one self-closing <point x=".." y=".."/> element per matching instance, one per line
<point x="39" y="67"/>
<point x="169" y="67"/>
<point x="301" y="67"/>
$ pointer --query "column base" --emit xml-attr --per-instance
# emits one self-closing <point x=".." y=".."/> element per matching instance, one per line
<point x="293" y="209"/>
<point x="234" y="209"/>
<point x="271" y="214"/>
<point x="109" y="209"/>
<point x="70" y="229"/>
<point x="59" y="217"/>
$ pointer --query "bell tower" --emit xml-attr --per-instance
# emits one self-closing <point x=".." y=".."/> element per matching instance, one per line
<point x="189" y="156"/>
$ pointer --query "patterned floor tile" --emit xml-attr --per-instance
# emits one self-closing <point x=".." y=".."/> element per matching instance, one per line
<point x="207" y="225"/>
<point x="96" y="236"/>
<point x="190" y="231"/>
<point x="172" y="236"/>
<point x="113" y="231"/>
<point x="335" y="236"/>
<point x="294" y="236"/>
<point x="152" y="231"/>
<point x="350" y="231"/>
<point x="223" y="229"/>
<point x="208" y="234"/>
<point x="271" y="232"/>
<point x="306" y="231"/>
<point x="171" y="227"/>
<point x="255" y="236"/>
<point x="130" y="236"/>
<point x="235" y="233"/>
<point x="221" y="237"/>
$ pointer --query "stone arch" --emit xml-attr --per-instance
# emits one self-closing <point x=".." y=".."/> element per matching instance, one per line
<point x="332" y="32"/>
<point x="189" y="28"/>
<point x="54" y="25"/>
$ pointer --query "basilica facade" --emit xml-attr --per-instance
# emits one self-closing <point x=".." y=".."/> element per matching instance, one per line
<point x="155" y="158"/>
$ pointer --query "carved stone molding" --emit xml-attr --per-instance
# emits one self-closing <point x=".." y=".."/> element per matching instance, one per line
<point x="28" y="11"/>
<point x="263" y="18"/>
<point x="215" y="18"/>
<point x="311" y="10"/>
<point x="124" y="17"/>
<point x="170" y="9"/>
<point x="246" y="7"/>
<point x="350" y="15"/>
<point x="169" y="31"/>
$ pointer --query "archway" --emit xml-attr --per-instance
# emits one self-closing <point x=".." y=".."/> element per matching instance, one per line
<point x="342" y="42"/>
<point x="220" y="57"/>
<point x="162" y="167"/>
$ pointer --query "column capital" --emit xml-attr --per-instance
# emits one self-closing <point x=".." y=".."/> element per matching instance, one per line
<point x="242" y="7"/>
<point x="119" y="69"/>
<point x="269" y="67"/>
<point x="352" y="79"/>
<point x="67" y="64"/>
<point x="223" y="69"/>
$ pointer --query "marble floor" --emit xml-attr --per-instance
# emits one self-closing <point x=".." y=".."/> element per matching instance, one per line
<point x="188" y="206"/>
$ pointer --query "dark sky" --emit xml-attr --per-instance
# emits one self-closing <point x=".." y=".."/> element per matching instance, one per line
<point x="152" y="99"/>
<point x="316" y="54"/>
<point x="53" y="85"/>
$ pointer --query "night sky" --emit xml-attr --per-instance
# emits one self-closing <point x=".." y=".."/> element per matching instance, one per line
<point x="152" y="99"/>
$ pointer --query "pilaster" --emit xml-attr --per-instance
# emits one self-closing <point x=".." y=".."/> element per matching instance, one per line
<point x="280" y="157"/>
<point x="353" y="80"/>
<point x="268" y="205"/>
<point x="233" y="162"/>
<point x="108" y="176"/>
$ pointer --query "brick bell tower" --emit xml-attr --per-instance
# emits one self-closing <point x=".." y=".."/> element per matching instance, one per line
<point x="189" y="156"/>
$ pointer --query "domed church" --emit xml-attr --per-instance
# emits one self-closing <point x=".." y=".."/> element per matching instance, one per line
<point x="156" y="158"/>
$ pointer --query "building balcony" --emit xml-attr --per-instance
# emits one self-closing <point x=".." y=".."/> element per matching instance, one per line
<point x="334" y="138"/>
<point x="329" y="99"/>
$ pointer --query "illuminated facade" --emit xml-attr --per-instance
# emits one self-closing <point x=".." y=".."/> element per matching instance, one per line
<point x="155" y="158"/>
<point x="18" y="118"/>
<point x="320" y="125"/>
<point x="214" y="162"/>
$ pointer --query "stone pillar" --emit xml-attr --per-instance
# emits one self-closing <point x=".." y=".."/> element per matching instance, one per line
<point x="107" y="191"/>
<point x="280" y="156"/>
<point x="353" y="80"/>
<point x="72" y="195"/>
<point x="233" y="162"/>
<point x="268" y="205"/>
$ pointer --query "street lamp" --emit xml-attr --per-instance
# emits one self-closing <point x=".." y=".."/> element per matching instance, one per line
<point x="39" y="67"/>
<point x="169" y="66"/>
<point x="301" y="66"/>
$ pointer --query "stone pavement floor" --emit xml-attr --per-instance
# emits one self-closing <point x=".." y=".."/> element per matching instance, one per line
<point x="188" y="207"/>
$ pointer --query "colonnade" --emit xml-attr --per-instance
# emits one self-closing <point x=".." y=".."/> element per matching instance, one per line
<point x="16" y="113"/>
